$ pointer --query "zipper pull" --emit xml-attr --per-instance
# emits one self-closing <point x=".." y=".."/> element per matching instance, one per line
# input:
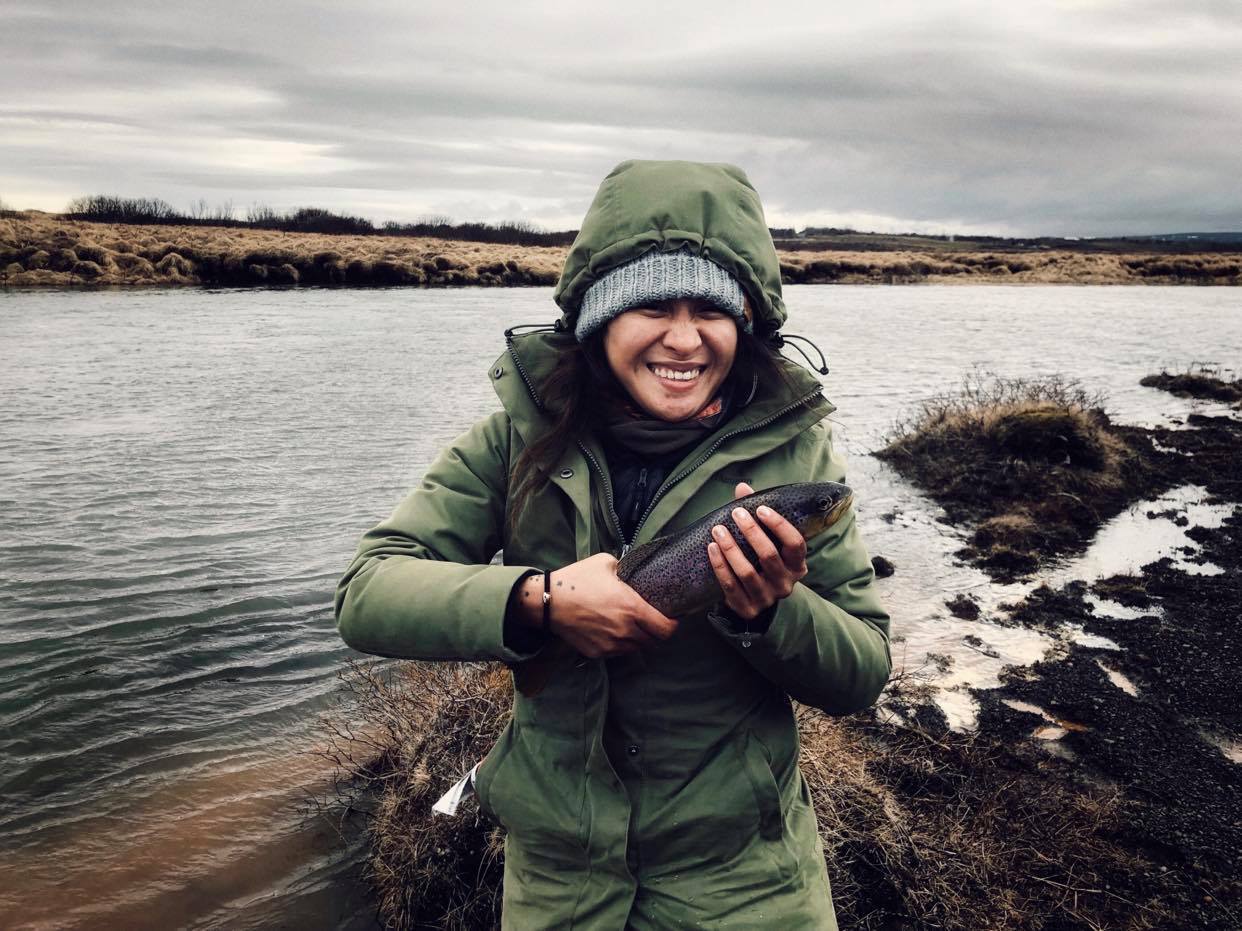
<point x="639" y="491"/>
<point x="625" y="549"/>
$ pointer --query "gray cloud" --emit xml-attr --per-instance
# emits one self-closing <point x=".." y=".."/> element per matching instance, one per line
<point x="1073" y="117"/>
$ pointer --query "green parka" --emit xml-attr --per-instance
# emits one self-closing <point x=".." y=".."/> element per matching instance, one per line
<point x="659" y="790"/>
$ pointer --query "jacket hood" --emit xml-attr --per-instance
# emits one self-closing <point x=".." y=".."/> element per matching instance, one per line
<point x="710" y="209"/>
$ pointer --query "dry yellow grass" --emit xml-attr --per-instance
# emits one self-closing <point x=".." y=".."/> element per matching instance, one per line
<point x="38" y="249"/>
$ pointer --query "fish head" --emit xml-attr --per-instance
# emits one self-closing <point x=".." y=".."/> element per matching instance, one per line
<point x="812" y="507"/>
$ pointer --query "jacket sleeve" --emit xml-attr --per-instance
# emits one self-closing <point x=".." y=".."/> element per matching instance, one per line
<point x="420" y="586"/>
<point x="827" y="643"/>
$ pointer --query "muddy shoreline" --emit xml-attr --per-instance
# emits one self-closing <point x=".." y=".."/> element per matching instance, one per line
<point x="1156" y="721"/>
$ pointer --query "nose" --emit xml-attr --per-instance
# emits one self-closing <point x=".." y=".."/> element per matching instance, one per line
<point x="682" y="335"/>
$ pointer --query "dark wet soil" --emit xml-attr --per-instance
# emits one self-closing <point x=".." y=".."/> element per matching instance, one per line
<point x="1195" y="385"/>
<point x="1162" y="749"/>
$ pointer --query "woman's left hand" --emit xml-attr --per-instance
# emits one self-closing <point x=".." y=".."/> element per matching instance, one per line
<point x="751" y="590"/>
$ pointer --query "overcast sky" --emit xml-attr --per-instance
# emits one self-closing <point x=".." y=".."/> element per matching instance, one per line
<point x="1059" y="117"/>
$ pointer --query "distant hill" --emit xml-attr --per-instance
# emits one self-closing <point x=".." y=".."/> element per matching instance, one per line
<point x="1191" y="237"/>
<point x="821" y="239"/>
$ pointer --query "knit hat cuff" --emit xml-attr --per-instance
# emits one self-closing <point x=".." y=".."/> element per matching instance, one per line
<point x="658" y="276"/>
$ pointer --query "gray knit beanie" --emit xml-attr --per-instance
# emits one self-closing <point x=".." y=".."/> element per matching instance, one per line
<point x="659" y="276"/>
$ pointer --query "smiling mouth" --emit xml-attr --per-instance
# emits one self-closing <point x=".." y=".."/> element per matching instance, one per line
<point x="667" y="373"/>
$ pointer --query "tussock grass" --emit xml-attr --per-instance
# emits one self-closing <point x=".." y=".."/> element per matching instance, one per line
<point x="929" y="831"/>
<point x="229" y="257"/>
<point x="1035" y="462"/>
<point x="1044" y="267"/>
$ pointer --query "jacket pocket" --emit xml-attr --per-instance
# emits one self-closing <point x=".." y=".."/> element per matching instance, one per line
<point x="529" y="790"/>
<point x="763" y="784"/>
<point x="774" y="839"/>
<point x="485" y="775"/>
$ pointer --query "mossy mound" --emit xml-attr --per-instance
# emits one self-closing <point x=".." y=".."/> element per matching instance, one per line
<point x="1197" y="383"/>
<point x="1036" y="464"/>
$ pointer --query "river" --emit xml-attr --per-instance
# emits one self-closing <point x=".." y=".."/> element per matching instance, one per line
<point x="185" y="473"/>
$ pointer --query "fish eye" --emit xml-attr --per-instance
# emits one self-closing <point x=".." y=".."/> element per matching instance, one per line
<point x="823" y="504"/>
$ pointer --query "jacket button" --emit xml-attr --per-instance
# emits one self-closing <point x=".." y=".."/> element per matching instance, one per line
<point x="567" y="473"/>
<point x="632" y="749"/>
<point x="497" y="372"/>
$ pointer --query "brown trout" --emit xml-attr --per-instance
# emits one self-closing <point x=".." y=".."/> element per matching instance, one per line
<point x="673" y="574"/>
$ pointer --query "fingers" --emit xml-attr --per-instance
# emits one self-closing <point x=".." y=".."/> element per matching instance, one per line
<point x="734" y="595"/>
<point x="792" y="543"/>
<point x="653" y="625"/>
<point x="741" y="490"/>
<point x="765" y="550"/>
<point x="748" y="577"/>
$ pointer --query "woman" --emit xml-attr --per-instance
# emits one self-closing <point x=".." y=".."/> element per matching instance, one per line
<point x="652" y="781"/>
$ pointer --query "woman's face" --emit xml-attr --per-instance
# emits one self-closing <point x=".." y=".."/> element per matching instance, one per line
<point x="671" y="356"/>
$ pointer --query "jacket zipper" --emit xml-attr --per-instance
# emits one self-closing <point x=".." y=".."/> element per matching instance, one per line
<point x="639" y="488"/>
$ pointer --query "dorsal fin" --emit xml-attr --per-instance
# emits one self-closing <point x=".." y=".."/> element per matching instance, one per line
<point x="637" y="556"/>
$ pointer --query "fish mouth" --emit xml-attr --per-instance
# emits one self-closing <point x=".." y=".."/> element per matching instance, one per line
<point x="837" y="511"/>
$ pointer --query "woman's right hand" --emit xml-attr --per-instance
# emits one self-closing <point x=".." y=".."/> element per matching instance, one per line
<point x="594" y="611"/>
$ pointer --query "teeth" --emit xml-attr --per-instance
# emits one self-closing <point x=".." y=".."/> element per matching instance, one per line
<point x="676" y="375"/>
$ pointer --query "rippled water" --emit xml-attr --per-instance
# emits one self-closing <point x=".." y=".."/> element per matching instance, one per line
<point x="183" y="475"/>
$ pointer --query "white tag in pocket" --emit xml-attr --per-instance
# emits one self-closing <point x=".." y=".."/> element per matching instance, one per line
<point x="463" y="788"/>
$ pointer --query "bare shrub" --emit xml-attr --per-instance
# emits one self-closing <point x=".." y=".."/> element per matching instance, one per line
<point x="425" y="725"/>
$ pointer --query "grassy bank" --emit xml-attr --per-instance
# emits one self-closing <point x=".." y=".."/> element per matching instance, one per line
<point x="46" y="250"/>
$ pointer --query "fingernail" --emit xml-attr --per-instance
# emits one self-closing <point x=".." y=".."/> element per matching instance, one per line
<point x="718" y="532"/>
<point x="764" y="511"/>
<point x="740" y="514"/>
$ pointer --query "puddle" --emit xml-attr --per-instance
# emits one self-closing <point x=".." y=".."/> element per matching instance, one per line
<point x="1075" y="634"/>
<point x="956" y="655"/>
<point x="1115" y="609"/>
<point x="1230" y="748"/>
<point x="960" y="708"/>
<point x="1146" y="532"/>
<point x="1049" y="732"/>
<point x="1054" y="729"/>
<point x="1026" y="706"/>
<point x="1119" y="679"/>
